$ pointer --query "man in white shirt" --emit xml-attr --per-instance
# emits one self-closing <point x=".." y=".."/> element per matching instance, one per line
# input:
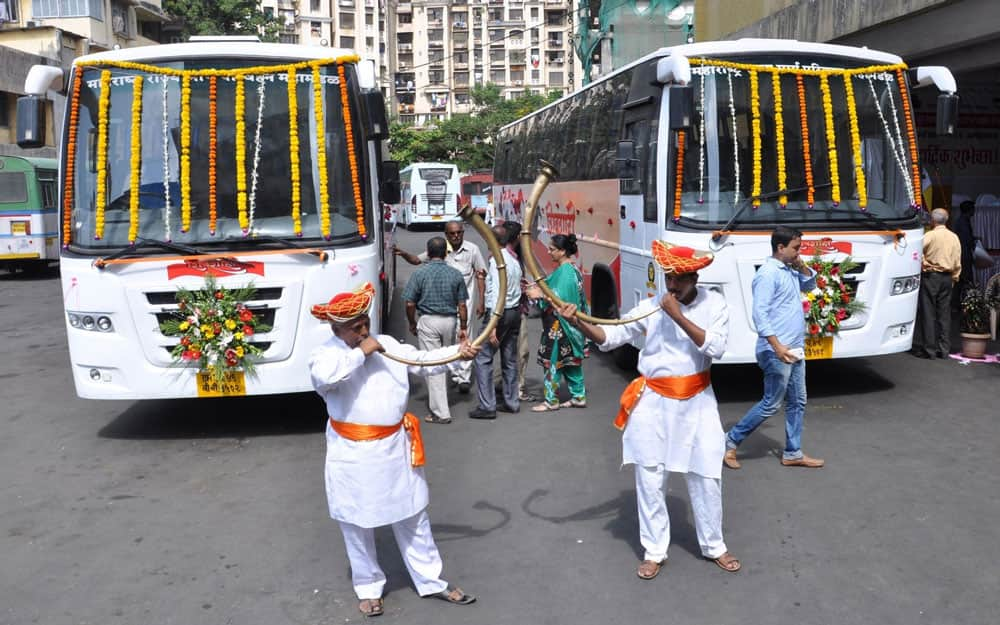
<point x="669" y="414"/>
<point x="374" y="452"/>
<point x="503" y="339"/>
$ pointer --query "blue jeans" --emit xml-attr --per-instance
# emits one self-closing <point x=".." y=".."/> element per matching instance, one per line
<point x="782" y="381"/>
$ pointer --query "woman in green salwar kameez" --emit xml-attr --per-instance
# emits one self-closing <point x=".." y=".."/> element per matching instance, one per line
<point x="563" y="347"/>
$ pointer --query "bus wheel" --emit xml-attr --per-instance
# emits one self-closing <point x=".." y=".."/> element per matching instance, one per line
<point x="626" y="357"/>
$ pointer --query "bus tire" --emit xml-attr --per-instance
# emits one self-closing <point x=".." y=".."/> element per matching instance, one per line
<point x="605" y="304"/>
<point x="626" y="357"/>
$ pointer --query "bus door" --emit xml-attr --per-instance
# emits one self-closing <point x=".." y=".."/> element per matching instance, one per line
<point x="637" y="210"/>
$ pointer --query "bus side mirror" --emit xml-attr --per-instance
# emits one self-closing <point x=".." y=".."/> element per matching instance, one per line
<point x="389" y="192"/>
<point x="31" y="121"/>
<point x="376" y="124"/>
<point x="681" y="106"/>
<point x="947" y="114"/>
<point x="625" y="160"/>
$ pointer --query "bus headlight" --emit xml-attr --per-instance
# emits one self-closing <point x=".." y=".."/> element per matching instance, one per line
<point x="93" y="322"/>
<point x="104" y="324"/>
<point x="87" y="322"/>
<point x="905" y="284"/>
<point x="74" y="320"/>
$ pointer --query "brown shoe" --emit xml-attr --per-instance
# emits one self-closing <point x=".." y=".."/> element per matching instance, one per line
<point x="730" y="459"/>
<point x="804" y="461"/>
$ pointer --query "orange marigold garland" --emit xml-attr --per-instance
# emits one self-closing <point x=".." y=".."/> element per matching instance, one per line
<point x="345" y="108"/>
<point x="185" y="153"/>
<point x="831" y="138"/>
<point x="779" y="136"/>
<point x="293" y="151"/>
<point x="755" y="112"/>
<point x="859" y="170"/>
<point x="904" y="95"/>
<point x="101" y="185"/>
<point x="135" y="162"/>
<point x="324" y="192"/>
<point x="679" y="176"/>
<point x="806" y="152"/>
<point x="213" y="139"/>
<point x="74" y="116"/>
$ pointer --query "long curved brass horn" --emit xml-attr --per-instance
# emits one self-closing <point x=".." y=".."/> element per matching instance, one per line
<point x="472" y="218"/>
<point x="545" y="175"/>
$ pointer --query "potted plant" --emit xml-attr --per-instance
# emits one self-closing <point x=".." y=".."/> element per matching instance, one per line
<point x="975" y="326"/>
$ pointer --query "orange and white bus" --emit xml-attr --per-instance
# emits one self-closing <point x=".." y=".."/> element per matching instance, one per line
<point x="711" y="145"/>
<point x="248" y="162"/>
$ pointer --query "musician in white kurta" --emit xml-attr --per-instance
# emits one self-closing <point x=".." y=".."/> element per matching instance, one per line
<point x="670" y="416"/>
<point x="373" y="482"/>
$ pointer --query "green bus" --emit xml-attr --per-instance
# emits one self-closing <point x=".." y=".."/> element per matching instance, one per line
<point x="29" y="218"/>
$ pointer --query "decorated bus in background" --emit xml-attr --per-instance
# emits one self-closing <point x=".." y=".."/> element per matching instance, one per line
<point x="29" y="235"/>
<point x="252" y="168"/>
<point x="477" y="191"/>
<point x="429" y="194"/>
<point x="711" y="146"/>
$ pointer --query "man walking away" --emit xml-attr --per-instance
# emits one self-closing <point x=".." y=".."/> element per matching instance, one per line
<point x="781" y="328"/>
<point x="437" y="291"/>
<point x="942" y="268"/>
<point x="504" y="338"/>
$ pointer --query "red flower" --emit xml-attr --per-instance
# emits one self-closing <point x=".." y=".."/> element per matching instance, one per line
<point x="841" y="314"/>
<point x="219" y="295"/>
<point x="814" y="329"/>
<point x="245" y="315"/>
<point x="195" y="355"/>
<point x="231" y="358"/>
<point x="188" y="355"/>
<point x="247" y="331"/>
<point x="821" y="282"/>
<point x="834" y="270"/>
<point x="185" y="341"/>
<point x="806" y="306"/>
<point x="829" y="327"/>
<point x="845" y="297"/>
<point x="217" y="328"/>
<point x="815" y="266"/>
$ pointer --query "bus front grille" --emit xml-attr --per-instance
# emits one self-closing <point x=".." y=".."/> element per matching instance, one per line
<point x="165" y="298"/>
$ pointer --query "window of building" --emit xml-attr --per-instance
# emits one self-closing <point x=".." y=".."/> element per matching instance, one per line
<point x="497" y="56"/>
<point x="516" y="15"/>
<point x="436" y="76"/>
<point x="461" y="58"/>
<point x="347" y="20"/>
<point x="496" y="16"/>
<point x="498" y="76"/>
<point x="536" y="76"/>
<point x="369" y="43"/>
<point x="555" y="18"/>
<point x="370" y="19"/>
<point x="347" y="42"/>
<point x="555" y="78"/>
<point x="119" y="20"/>
<point x="316" y="28"/>
<point x="435" y="35"/>
<point x="496" y="35"/>
<point x="435" y="15"/>
<point x="314" y="6"/>
<point x="435" y="56"/>
<point x="462" y="99"/>
<point x="67" y="8"/>
<point x="461" y="79"/>
<point x="534" y="13"/>
<point x="4" y="113"/>
<point x="8" y="10"/>
<point x="405" y="18"/>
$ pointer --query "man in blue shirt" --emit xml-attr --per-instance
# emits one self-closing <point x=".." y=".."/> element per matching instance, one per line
<point x="781" y="326"/>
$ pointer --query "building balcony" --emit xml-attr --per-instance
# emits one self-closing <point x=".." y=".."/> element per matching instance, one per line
<point x="460" y="26"/>
<point x="457" y="65"/>
<point x="554" y="43"/>
<point x="404" y="7"/>
<point x="404" y="47"/>
<point x="406" y="108"/>
<point x="435" y="44"/>
<point x="435" y="23"/>
<point x="460" y="44"/>
<point x="439" y="109"/>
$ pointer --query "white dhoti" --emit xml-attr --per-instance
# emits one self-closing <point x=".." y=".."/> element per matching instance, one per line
<point x="416" y="545"/>
<point x="654" y="519"/>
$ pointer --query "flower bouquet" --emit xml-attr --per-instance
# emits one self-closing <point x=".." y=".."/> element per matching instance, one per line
<point x="215" y="328"/>
<point x="831" y="301"/>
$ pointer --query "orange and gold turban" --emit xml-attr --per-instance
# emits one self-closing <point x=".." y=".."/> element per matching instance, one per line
<point x="677" y="260"/>
<point x="346" y="306"/>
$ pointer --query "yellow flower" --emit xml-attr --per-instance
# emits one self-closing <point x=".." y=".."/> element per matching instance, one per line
<point x="184" y="325"/>
<point x="209" y="335"/>
<point x="239" y="351"/>
<point x="811" y="297"/>
<point x="230" y="324"/>
<point x="238" y="336"/>
<point x="205" y="329"/>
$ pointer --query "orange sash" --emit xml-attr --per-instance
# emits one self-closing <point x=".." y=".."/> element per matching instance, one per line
<point x="409" y="422"/>
<point x="674" y="387"/>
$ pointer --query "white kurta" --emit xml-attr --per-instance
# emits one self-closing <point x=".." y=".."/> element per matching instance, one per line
<point x="682" y="435"/>
<point x="370" y="483"/>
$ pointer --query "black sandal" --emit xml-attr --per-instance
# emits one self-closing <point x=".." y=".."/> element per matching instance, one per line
<point x="446" y="595"/>
<point x="433" y="418"/>
<point x="374" y="606"/>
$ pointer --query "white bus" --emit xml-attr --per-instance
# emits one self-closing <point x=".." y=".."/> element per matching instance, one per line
<point x="689" y="146"/>
<point x="247" y="162"/>
<point x="429" y="194"/>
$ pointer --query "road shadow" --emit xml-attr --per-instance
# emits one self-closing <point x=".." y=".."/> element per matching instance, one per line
<point x="32" y="274"/>
<point x="824" y="378"/>
<point x="225" y="417"/>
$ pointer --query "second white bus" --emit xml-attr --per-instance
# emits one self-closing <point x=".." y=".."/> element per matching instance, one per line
<point x="429" y="194"/>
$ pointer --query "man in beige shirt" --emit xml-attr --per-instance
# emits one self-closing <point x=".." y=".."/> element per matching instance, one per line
<point x="941" y="267"/>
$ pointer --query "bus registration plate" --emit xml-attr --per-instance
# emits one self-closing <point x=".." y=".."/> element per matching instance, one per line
<point x="819" y="348"/>
<point x="233" y="385"/>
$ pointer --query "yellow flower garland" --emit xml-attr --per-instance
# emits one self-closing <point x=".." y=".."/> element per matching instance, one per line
<point x="135" y="162"/>
<point x="324" y="192"/>
<point x="293" y="151"/>
<point x="831" y="138"/>
<point x="345" y="108"/>
<point x="213" y="140"/>
<point x="241" y="154"/>
<point x="755" y="128"/>
<point x="185" y="153"/>
<point x="101" y="186"/>
<point x="74" y="116"/>
<point x="859" y="170"/>
<point x="779" y="136"/>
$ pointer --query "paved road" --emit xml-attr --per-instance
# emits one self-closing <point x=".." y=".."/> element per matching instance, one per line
<point x="191" y="512"/>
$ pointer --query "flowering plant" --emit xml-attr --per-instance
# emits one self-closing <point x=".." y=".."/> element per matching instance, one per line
<point x="831" y="301"/>
<point x="215" y="328"/>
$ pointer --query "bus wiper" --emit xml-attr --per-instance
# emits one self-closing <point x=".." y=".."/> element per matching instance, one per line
<point x="170" y="246"/>
<point x="868" y="216"/>
<point x="292" y="242"/>
<point x="770" y="195"/>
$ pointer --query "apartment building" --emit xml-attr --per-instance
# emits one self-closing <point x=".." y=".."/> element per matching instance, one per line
<point x="442" y="48"/>
<point x="54" y="32"/>
<point x="359" y="25"/>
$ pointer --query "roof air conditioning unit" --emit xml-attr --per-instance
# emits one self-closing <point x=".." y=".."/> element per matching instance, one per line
<point x="32" y="24"/>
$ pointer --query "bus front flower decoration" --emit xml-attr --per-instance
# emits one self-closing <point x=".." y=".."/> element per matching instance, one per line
<point x="216" y="330"/>
<point x="832" y="301"/>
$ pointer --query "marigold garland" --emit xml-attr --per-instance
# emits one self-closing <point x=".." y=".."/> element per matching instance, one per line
<point x="293" y="151"/>
<point x="241" y="154"/>
<point x="135" y="162"/>
<point x="803" y="71"/>
<point x="229" y="73"/>
<point x="345" y="108"/>
<point x="185" y="153"/>
<point x="904" y="95"/>
<point x="831" y="139"/>
<point x="324" y="193"/>
<point x="806" y="151"/>
<point x="859" y="170"/>
<point x="70" y="166"/>
<point x="679" y="176"/>
<point x="755" y="133"/>
<point x="213" y="139"/>
<point x="101" y="186"/>
<point x="779" y="136"/>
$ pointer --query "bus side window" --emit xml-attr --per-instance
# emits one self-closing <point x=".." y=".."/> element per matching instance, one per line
<point x="47" y="184"/>
<point x="643" y="133"/>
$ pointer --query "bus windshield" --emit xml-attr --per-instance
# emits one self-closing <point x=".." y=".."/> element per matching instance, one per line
<point x="725" y="167"/>
<point x="267" y="161"/>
